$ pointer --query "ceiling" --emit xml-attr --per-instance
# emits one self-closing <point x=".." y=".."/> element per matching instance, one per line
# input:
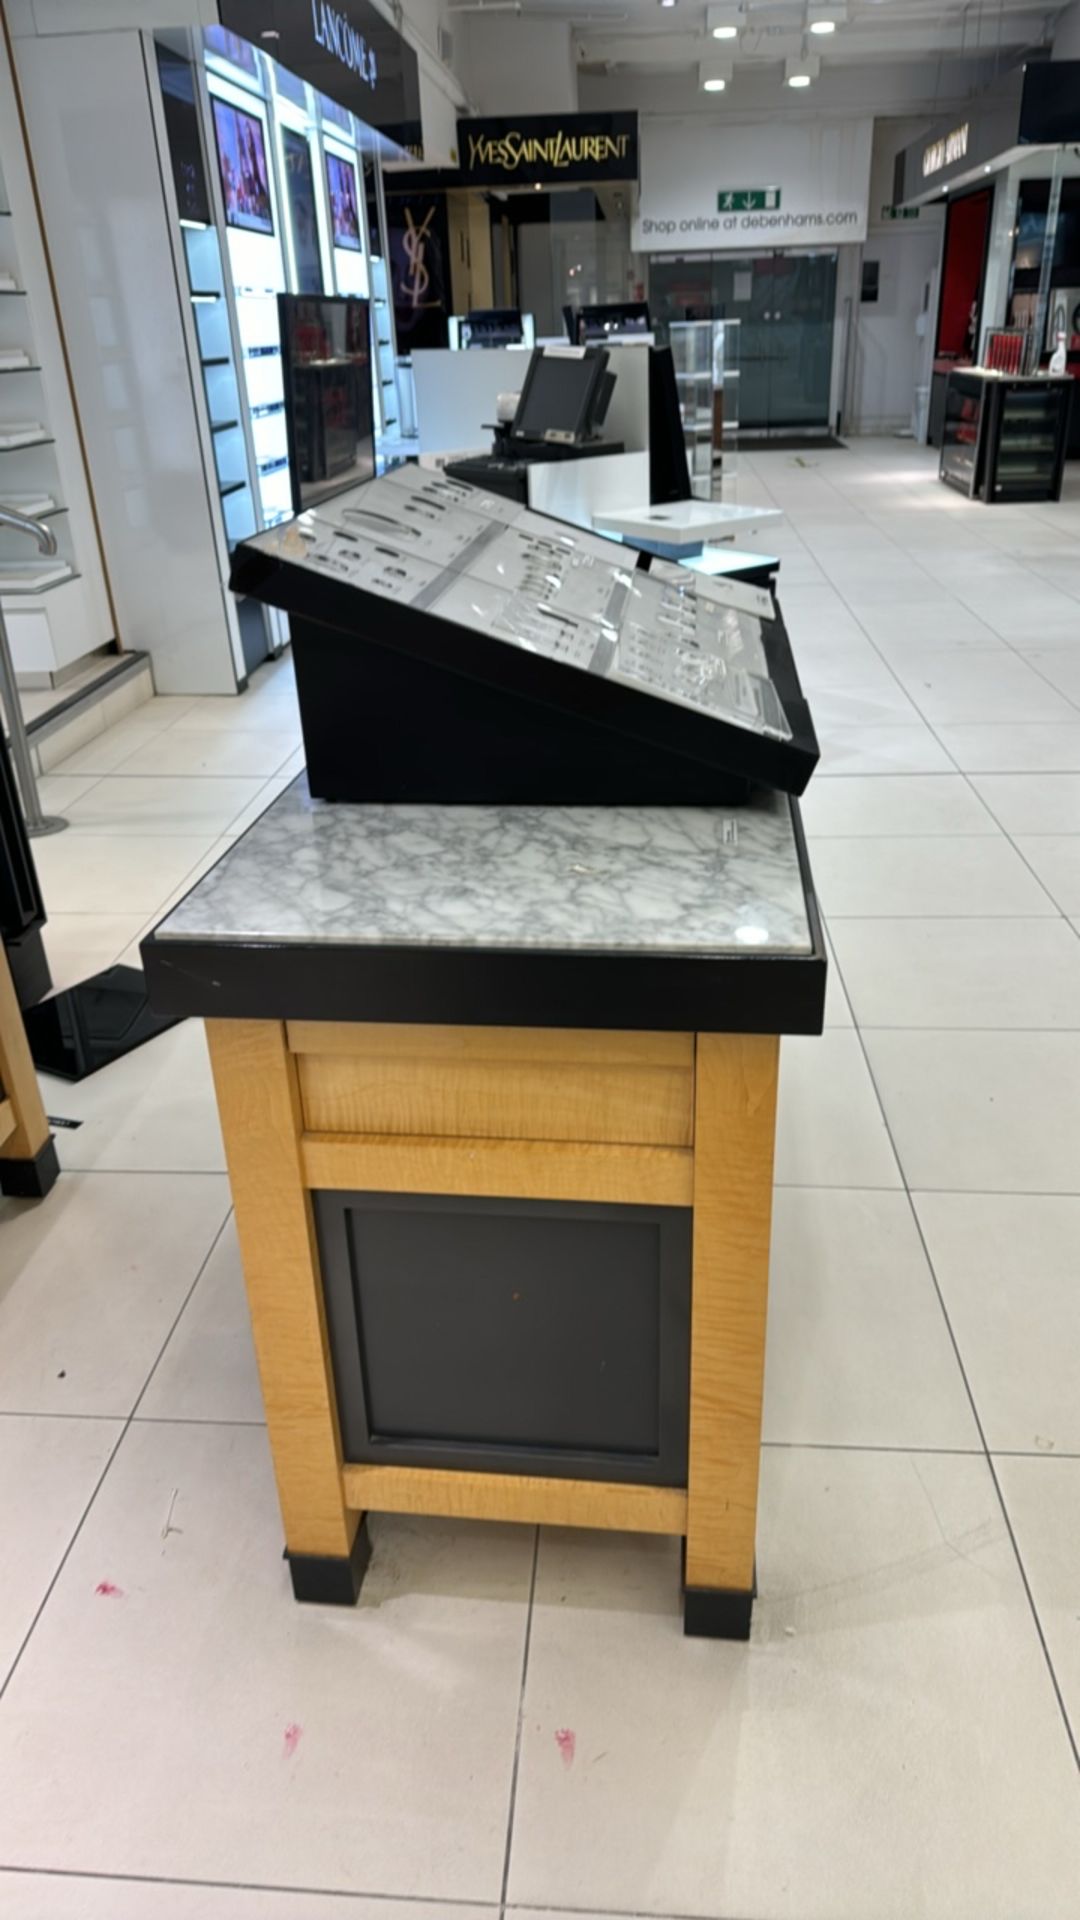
<point x="613" y="36"/>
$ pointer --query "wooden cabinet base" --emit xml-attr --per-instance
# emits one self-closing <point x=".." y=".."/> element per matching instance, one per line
<point x="683" y="1120"/>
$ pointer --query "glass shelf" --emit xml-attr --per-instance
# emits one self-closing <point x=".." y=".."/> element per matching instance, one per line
<point x="30" y="593"/>
<point x="31" y="366"/>
<point x="231" y="486"/>
<point x="217" y="360"/>
<point x="223" y="426"/>
<point x="24" y="446"/>
<point x="12" y="293"/>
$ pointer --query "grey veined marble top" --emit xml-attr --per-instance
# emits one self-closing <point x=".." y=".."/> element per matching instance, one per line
<point x="659" y="879"/>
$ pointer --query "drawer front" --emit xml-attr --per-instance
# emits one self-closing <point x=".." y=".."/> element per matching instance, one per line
<point x="487" y="1083"/>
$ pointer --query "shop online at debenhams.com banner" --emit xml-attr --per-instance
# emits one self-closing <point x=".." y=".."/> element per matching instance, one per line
<point x="707" y="186"/>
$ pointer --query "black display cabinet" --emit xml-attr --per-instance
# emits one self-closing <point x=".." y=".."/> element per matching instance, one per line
<point x="1005" y="437"/>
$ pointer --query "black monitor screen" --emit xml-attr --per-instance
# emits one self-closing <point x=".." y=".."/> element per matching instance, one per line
<point x="559" y="394"/>
<point x="596" y="323"/>
<point x="303" y="216"/>
<point x="493" y="327"/>
<point x="245" y="182"/>
<point x="326" y="363"/>
<point x="182" y="129"/>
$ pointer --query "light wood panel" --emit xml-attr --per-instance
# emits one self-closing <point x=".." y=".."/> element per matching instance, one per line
<point x="508" y="1099"/>
<point x="534" y="1046"/>
<point x="504" y="1169"/>
<point x="7" y="1121"/>
<point x="735" y="1124"/>
<point x="19" y="1088"/>
<point x="259" y="1104"/>
<point x="507" y="1496"/>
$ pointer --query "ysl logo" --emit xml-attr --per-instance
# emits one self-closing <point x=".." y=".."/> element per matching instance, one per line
<point x="419" y="279"/>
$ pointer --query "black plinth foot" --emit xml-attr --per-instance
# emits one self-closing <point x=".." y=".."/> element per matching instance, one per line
<point x="30" y="1179"/>
<point x="328" y="1580"/>
<point x="716" y="1613"/>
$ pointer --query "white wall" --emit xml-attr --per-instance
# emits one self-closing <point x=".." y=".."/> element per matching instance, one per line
<point x="510" y="63"/>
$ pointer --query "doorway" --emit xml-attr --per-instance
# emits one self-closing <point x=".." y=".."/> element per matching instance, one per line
<point x="786" y="303"/>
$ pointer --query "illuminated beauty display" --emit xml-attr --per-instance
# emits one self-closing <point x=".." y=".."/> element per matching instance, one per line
<point x="344" y="202"/>
<point x="245" y="184"/>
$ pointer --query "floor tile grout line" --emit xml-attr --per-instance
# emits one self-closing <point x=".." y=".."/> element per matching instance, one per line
<point x="512" y="1809"/>
<point x="1022" y="1570"/>
<point x="439" y="1901"/>
<point x="103" y="1476"/>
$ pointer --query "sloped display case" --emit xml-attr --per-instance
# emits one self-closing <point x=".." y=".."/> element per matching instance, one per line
<point x="453" y="646"/>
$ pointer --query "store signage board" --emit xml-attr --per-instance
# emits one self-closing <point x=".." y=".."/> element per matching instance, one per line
<point x="899" y="213"/>
<point x="347" y="51"/>
<point x="817" y="189"/>
<point x="747" y="199"/>
<point x="548" y="149"/>
<point x="946" y="151"/>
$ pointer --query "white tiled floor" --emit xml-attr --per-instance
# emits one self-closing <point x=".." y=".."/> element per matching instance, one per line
<point x="178" y="1740"/>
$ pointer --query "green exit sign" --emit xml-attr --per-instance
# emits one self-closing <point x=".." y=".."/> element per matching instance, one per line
<point x="899" y="213"/>
<point x="748" y="200"/>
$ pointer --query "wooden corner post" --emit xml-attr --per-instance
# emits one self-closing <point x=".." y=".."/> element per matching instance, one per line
<point x="259" y="1103"/>
<point x="734" y="1131"/>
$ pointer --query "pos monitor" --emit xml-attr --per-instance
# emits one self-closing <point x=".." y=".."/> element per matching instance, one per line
<point x="493" y="327"/>
<point x="565" y="396"/>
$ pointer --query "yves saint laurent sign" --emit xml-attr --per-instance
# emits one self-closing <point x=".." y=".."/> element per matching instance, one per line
<point x="548" y="149"/>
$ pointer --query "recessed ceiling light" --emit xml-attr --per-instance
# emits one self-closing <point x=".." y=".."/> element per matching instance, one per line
<point x="714" y="86"/>
<point x="823" y="26"/>
<point x="667" y="3"/>
<point x="725" y="33"/>
<point x="798" y="79"/>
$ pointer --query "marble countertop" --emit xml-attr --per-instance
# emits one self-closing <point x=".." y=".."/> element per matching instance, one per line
<point x="661" y="880"/>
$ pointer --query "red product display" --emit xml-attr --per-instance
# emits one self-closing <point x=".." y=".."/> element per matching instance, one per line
<point x="966" y="232"/>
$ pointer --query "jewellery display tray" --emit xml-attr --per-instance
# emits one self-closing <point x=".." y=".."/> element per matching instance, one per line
<point x="452" y="646"/>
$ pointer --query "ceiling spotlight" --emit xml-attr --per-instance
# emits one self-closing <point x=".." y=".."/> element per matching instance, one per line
<point x="823" y="26"/>
<point x="725" y="22"/>
<point x="667" y="3"/>
<point x="799" y="73"/>
<point x="714" y="86"/>
<point x="713" y="75"/>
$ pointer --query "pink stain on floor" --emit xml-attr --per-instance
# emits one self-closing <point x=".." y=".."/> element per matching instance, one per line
<point x="292" y="1738"/>
<point x="107" y="1591"/>
<point x="566" y="1741"/>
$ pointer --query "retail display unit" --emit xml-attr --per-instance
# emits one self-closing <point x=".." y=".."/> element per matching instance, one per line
<point x="1005" y="436"/>
<point x="496" y="1051"/>
<point x="485" y="653"/>
<point x="56" y="610"/>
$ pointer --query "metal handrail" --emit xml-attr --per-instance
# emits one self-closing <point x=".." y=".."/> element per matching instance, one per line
<point x="37" y="822"/>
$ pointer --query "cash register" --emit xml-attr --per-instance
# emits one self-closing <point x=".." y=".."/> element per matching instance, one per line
<point x="560" y="412"/>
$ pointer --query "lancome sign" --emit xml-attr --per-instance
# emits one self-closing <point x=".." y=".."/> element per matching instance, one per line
<point x="343" y="48"/>
<point x="945" y="152"/>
